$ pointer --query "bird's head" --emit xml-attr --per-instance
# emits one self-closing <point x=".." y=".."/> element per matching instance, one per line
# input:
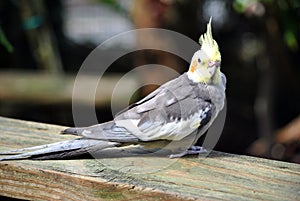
<point x="205" y="64"/>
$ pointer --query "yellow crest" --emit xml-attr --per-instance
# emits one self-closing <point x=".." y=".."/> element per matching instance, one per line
<point x="209" y="45"/>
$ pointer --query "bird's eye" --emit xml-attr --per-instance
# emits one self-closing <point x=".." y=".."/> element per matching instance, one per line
<point x="199" y="60"/>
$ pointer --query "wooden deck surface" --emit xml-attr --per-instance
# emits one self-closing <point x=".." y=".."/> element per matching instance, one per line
<point x="219" y="176"/>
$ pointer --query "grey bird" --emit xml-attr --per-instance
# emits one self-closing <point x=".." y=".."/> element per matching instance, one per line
<point x="169" y="120"/>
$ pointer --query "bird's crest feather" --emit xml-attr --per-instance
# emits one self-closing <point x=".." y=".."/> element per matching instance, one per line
<point x="209" y="45"/>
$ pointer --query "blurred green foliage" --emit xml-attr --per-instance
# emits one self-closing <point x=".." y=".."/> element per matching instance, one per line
<point x="113" y="4"/>
<point x="285" y="16"/>
<point x="242" y="5"/>
<point x="4" y="42"/>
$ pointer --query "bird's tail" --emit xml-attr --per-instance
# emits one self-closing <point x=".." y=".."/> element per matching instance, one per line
<point x="58" y="150"/>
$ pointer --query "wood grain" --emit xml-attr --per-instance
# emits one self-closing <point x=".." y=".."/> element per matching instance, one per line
<point x="220" y="176"/>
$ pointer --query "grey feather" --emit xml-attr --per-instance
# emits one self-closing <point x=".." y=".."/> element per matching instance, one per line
<point x="68" y="147"/>
<point x="106" y="131"/>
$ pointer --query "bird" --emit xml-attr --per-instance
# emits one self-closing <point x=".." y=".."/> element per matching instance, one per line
<point x="171" y="118"/>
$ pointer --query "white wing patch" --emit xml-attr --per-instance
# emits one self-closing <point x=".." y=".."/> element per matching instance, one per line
<point x="174" y="130"/>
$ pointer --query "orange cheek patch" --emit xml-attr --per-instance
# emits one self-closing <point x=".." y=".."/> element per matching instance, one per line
<point x="193" y="67"/>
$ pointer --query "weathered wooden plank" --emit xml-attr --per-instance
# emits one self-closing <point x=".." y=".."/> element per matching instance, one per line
<point x="42" y="88"/>
<point x="220" y="176"/>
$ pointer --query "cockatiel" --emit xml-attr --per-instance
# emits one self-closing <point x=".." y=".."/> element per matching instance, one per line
<point x="172" y="117"/>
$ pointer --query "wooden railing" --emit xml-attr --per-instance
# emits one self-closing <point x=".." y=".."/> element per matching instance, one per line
<point x="220" y="176"/>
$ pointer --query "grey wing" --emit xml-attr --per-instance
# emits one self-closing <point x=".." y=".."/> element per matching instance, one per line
<point x="170" y="122"/>
<point x="171" y="112"/>
<point x="178" y="109"/>
<point x="110" y="131"/>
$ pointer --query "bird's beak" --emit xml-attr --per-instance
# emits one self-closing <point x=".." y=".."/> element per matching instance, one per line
<point x="214" y="64"/>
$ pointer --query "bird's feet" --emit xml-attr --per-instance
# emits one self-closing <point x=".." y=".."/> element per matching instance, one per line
<point x="190" y="151"/>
